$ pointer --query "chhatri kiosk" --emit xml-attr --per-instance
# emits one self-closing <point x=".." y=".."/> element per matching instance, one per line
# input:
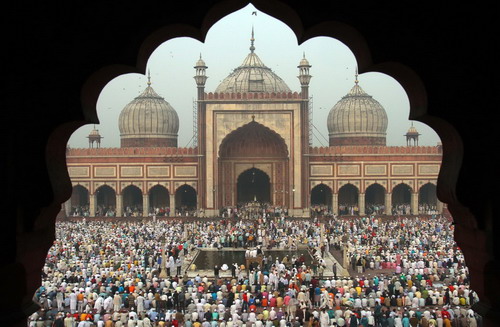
<point x="253" y="146"/>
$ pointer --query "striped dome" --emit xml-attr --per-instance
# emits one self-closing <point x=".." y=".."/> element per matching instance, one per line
<point x="149" y="121"/>
<point x="357" y="119"/>
<point x="252" y="76"/>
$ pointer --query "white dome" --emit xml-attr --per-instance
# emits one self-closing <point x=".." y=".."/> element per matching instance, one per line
<point x="357" y="119"/>
<point x="252" y="76"/>
<point x="148" y="120"/>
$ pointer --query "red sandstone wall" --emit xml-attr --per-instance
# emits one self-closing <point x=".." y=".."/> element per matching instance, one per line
<point x="148" y="142"/>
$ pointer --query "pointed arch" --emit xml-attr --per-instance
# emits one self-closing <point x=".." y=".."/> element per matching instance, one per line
<point x="80" y="198"/>
<point x="427" y="198"/>
<point x="105" y="201"/>
<point x="185" y="199"/>
<point x="321" y="194"/>
<point x="159" y="200"/>
<point x="253" y="185"/>
<point x="132" y="201"/>
<point x="348" y="199"/>
<point x="401" y="199"/>
<point x="253" y="140"/>
<point x="321" y="199"/>
<point x="375" y="199"/>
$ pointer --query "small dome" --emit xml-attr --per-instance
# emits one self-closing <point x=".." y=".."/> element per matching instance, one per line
<point x="200" y="63"/>
<point x="148" y="121"/>
<point x="412" y="131"/>
<point x="357" y="119"/>
<point x="94" y="133"/>
<point x="304" y="61"/>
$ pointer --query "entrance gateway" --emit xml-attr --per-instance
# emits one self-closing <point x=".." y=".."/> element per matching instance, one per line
<point x="253" y="167"/>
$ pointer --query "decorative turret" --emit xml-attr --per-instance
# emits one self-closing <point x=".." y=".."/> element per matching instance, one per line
<point x="94" y="137"/>
<point x="412" y="136"/>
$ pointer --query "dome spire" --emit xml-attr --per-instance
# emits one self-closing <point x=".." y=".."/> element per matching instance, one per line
<point x="149" y="77"/>
<point x="252" y="39"/>
<point x="356" y="76"/>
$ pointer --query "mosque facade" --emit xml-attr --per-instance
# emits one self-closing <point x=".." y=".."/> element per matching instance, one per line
<point x="253" y="147"/>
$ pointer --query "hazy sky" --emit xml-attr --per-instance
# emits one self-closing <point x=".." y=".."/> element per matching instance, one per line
<point x="226" y="46"/>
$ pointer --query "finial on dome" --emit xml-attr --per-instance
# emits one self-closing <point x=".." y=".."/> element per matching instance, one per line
<point x="252" y="39"/>
<point x="149" y="77"/>
<point x="356" y="76"/>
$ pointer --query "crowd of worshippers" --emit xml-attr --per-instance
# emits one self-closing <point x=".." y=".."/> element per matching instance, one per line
<point x="111" y="276"/>
<point x="253" y="210"/>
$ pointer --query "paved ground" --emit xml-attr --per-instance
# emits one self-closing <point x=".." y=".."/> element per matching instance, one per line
<point x="329" y="259"/>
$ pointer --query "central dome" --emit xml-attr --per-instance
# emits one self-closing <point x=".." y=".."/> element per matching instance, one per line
<point x="252" y="76"/>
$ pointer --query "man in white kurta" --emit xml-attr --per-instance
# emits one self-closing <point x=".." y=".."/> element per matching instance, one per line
<point x="117" y="302"/>
<point x="72" y="302"/>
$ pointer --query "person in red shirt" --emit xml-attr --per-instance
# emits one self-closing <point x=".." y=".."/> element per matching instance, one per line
<point x="445" y="314"/>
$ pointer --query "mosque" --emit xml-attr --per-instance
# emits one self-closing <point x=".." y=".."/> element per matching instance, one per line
<point x="253" y="146"/>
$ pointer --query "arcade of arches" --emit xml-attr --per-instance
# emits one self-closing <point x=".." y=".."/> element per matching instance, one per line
<point x="131" y="201"/>
<point x="254" y="185"/>
<point x="402" y="200"/>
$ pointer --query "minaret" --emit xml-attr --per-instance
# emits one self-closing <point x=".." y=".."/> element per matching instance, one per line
<point x="304" y="79"/>
<point x="304" y="76"/>
<point x="94" y="136"/>
<point x="200" y="79"/>
<point x="200" y="76"/>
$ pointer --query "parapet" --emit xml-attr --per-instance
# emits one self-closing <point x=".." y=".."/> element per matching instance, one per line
<point x="254" y="96"/>
<point x="364" y="149"/>
<point x="143" y="151"/>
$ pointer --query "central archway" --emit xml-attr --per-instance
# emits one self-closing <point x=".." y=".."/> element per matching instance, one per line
<point x="253" y="165"/>
<point x="253" y="185"/>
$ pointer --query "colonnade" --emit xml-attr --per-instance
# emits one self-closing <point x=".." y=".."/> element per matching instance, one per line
<point x="414" y="204"/>
<point x="119" y="204"/>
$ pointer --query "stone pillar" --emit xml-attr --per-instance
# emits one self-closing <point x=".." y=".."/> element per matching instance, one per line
<point x="172" y="205"/>
<point x="439" y="206"/>
<point x="414" y="203"/>
<point x="92" y="204"/>
<point x="145" y="205"/>
<point x="67" y="207"/>
<point x="119" y="205"/>
<point x="388" y="203"/>
<point x="335" y="203"/>
<point x="361" y="203"/>
<point x="322" y="234"/>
